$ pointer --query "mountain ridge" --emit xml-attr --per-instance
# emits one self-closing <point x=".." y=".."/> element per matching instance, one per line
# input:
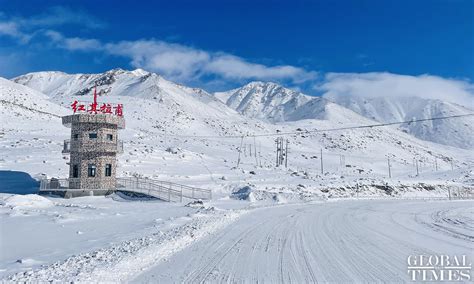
<point x="274" y="103"/>
<point x="266" y="101"/>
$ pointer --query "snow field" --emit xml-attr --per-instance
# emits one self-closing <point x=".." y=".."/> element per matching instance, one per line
<point x="343" y="241"/>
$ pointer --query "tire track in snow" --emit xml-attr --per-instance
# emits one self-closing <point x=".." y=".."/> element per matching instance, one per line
<point x="334" y="242"/>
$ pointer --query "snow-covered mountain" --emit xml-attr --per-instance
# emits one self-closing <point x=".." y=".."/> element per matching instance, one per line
<point x="262" y="100"/>
<point x="31" y="133"/>
<point x="274" y="103"/>
<point x="457" y="132"/>
<point x="161" y="114"/>
<point x="151" y="99"/>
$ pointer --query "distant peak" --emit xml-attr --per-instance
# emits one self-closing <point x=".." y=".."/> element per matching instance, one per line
<point x="140" y="72"/>
<point x="115" y="71"/>
<point x="261" y="84"/>
<point x="42" y="73"/>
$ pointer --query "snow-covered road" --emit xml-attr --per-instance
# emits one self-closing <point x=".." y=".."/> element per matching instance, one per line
<point x="335" y="241"/>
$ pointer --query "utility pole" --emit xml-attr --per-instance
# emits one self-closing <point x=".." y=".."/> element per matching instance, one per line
<point x="436" y="163"/>
<point x="286" y="153"/>
<point x="417" y="171"/>
<point x="322" y="167"/>
<point x="282" y="154"/>
<point x="255" y="151"/>
<point x="240" y="150"/>
<point x="389" y="169"/>
<point x="342" y="162"/>
<point x="166" y="138"/>
<point x="278" y="149"/>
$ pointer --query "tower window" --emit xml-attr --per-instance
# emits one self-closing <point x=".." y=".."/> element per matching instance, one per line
<point x="108" y="170"/>
<point x="92" y="135"/>
<point x="91" y="170"/>
<point x="75" y="171"/>
<point x="76" y="136"/>
<point x="110" y="137"/>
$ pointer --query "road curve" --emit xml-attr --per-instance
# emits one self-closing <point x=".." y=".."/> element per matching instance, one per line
<point x="344" y="241"/>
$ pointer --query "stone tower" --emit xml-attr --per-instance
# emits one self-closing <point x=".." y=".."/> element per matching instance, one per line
<point x="93" y="150"/>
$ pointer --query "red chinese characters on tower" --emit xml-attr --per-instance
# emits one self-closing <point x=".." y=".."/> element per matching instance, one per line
<point x="106" y="108"/>
<point x="92" y="108"/>
<point x="78" y="107"/>
<point x="95" y="107"/>
<point x="119" y="110"/>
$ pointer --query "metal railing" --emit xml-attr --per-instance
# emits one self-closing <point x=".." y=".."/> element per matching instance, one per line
<point x="164" y="190"/>
<point x="461" y="193"/>
<point x="54" y="184"/>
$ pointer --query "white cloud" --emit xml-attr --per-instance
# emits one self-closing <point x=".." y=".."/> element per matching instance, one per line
<point x="172" y="60"/>
<point x="181" y="62"/>
<point x="73" y="43"/>
<point x="23" y="29"/>
<point x="12" y="29"/>
<point x="59" y="15"/>
<point x="394" y="85"/>
<point x="234" y="67"/>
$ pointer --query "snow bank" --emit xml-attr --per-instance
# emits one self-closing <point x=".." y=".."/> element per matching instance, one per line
<point x="124" y="260"/>
<point x="27" y="201"/>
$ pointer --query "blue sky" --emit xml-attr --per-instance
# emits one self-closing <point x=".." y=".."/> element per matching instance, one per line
<point x="223" y="44"/>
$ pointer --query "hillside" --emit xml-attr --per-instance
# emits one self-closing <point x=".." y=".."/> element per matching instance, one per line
<point x="455" y="132"/>
<point x="175" y="133"/>
<point x="274" y="103"/>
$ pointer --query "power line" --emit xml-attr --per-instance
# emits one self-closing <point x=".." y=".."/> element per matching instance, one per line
<point x="325" y="130"/>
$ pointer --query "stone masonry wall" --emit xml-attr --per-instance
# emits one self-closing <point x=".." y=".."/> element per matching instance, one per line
<point x="99" y="151"/>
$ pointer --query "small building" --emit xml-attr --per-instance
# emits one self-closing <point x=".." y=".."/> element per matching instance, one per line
<point x="93" y="149"/>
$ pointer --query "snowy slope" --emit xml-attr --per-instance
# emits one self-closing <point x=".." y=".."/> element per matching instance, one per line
<point x="264" y="101"/>
<point x="455" y="132"/>
<point x="274" y="103"/>
<point x="14" y="96"/>
<point x="114" y="240"/>
<point x="161" y="114"/>
<point x="31" y="132"/>
<point x="153" y="100"/>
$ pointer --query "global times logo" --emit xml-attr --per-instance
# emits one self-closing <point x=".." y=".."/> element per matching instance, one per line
<point x="439" y="268"/>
